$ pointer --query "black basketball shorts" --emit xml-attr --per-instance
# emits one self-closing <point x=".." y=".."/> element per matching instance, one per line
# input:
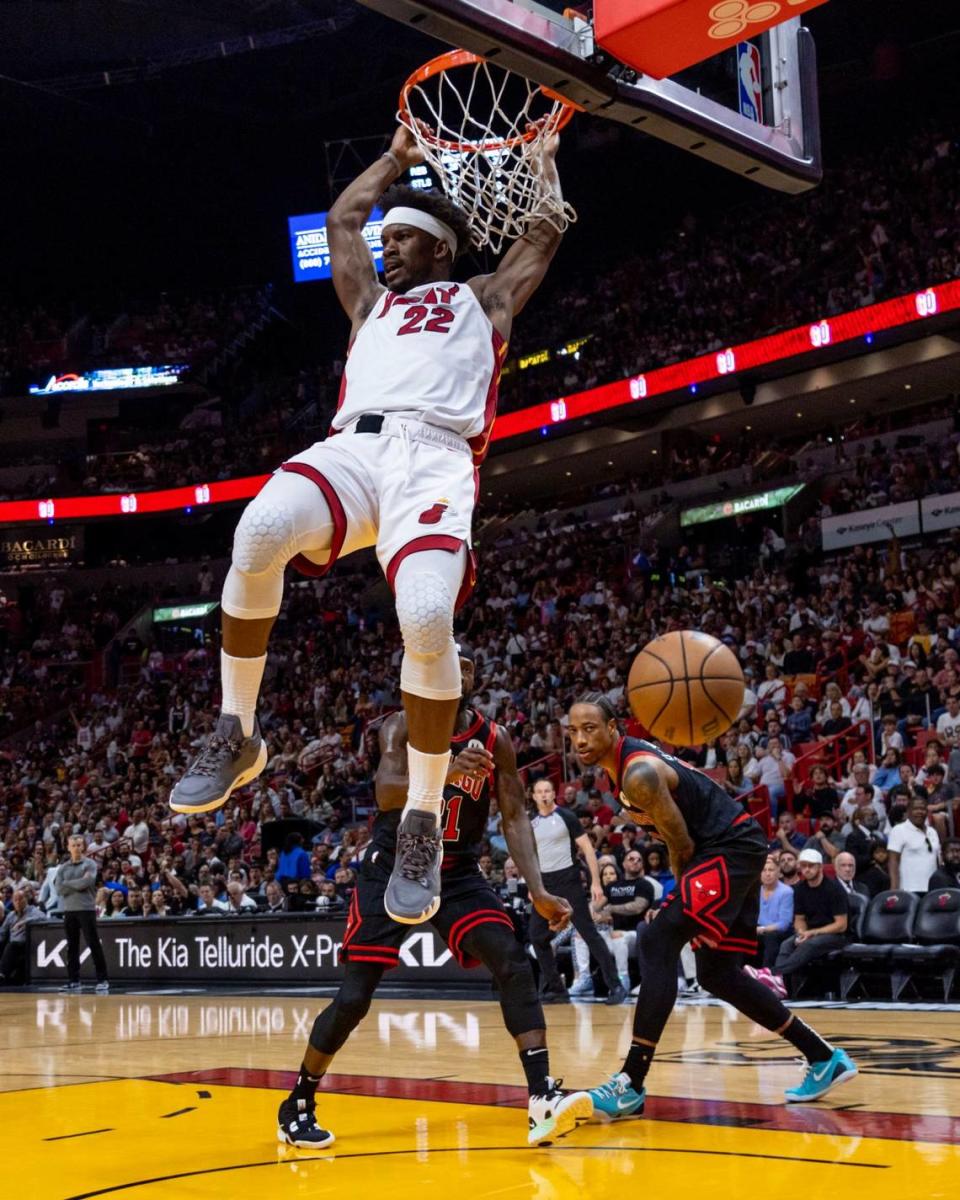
<point x="466" y="901"/>
<point x="719" y="891"/>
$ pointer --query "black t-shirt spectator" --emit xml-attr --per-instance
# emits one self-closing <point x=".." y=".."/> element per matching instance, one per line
<point x="944" y="877"/>
<point x="622" y="891"/>
<point x="920" y="702"/>
<point x="835" y="725"/>
<point x="874" y="878"/>
<point x="860" y="843"/>
<point x="822" y="904"/>
<point x="818" y="800"/>
<point x="798" y="662"/>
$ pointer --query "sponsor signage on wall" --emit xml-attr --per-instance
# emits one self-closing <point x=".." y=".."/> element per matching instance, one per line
<point x="258" y="949"/>
<point x="940" y="512"/>
<point x="40" y="547"/>
<point x="744" y="504"/>
<point x="873" y="525"/>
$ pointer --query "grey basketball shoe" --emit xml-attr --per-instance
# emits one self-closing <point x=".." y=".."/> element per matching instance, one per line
<point x="413" y="892"/>
<point x="227" y="762"/>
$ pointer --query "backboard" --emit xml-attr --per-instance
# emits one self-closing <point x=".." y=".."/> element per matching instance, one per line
<point x="752" y="109"/>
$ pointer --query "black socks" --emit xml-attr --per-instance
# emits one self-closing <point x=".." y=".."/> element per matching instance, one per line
<point x="810" y="1044"/>
<point x="306" y="1087"/>
<point x="536" y="1067"/>
<point x="638" y="1062"/>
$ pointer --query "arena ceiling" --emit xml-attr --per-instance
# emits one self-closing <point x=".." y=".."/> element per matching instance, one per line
<point x="139" y="122"/>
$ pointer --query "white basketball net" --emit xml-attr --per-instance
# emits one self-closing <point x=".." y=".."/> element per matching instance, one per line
<point x="480" y="116"/>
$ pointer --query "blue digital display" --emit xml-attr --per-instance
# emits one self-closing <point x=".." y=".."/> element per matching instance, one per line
<point x="309" y="249"/>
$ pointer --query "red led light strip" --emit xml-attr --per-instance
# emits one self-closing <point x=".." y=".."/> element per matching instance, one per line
<point x="847" y="327"/>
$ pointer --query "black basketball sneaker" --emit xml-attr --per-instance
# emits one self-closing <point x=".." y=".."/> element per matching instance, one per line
<point x="297" y="1126"/>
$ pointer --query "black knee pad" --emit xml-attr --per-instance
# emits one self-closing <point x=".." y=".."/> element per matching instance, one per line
<point x="347" y="1009"/>
<point x="503" y="956"/>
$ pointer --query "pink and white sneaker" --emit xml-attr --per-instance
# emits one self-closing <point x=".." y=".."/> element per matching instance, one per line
<point x="765" y="976"/>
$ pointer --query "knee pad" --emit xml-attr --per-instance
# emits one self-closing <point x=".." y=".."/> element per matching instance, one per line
<point x="510" y="967"/>
<point x="425" y="600"/>
<point x="347" y="1009"/>
<point x="265" y="531"/>
<point x="289" y="515"/>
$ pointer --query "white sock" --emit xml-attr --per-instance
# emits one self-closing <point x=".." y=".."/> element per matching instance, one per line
<point x="428" y="774"/>
<point x="240" y="679"/>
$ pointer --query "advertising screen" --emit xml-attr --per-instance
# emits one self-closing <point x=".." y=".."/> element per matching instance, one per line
<point x="310" y="252"/>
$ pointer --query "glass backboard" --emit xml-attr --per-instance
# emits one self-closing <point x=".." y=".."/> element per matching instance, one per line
<point x="752" y="109"/>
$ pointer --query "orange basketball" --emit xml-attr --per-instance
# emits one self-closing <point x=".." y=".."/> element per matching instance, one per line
<point x="686" y="688"/>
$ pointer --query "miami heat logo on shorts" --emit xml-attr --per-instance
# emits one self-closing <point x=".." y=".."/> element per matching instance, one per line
<point x="432" y="515"/>
<point x="705" y="889"/>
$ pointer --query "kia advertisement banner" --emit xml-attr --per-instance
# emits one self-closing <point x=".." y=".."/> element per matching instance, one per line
<point x="237" y="950"/>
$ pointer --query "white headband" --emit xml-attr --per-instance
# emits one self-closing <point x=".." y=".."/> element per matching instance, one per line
<point x="422" y="220"/>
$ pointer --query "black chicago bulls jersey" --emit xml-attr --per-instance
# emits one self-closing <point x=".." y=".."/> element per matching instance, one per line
<point x="466" y="802"/>
<point x="707" y="809"/>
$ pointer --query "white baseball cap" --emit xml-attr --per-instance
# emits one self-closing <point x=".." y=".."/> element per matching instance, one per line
<point x="810" y="855"/>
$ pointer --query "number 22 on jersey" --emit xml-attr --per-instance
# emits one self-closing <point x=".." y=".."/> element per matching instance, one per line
<point x="429" y="313"/>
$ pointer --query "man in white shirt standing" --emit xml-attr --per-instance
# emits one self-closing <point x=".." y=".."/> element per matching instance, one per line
<point x="914" y="849"/>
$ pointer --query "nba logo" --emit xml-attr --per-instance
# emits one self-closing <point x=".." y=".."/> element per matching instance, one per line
<point x="750" y="79"/>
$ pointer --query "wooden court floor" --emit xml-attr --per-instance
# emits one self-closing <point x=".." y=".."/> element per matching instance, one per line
<point x="169" y="1096"/>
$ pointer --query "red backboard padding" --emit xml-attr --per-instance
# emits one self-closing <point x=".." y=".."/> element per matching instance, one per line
<point x="662" y="37"/>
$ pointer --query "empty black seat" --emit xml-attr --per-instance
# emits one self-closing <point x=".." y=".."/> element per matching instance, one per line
<point x="936" y="927"/>
<point x="887" y="922"/>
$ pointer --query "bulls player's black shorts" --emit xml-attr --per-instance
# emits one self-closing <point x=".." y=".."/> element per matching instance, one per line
<point x="466" y="901"/>
<point x="719" y="892"/>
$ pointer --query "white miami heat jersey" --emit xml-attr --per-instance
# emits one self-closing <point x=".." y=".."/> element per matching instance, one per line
<point x="431" y="352"/>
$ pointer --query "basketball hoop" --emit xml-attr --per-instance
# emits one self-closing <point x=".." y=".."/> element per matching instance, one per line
<point x="486" y="128"/>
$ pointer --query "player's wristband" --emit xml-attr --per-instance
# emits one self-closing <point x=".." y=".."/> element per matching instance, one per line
<point x="393" y="158"/>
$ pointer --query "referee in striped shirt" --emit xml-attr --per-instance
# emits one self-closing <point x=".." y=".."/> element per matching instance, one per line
<point x="560" y="841"/>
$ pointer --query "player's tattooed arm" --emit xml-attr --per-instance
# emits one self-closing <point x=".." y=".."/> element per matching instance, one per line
<point x="518" y="833"/>
<point x="645" y="788"/>
<point x="631" y="908"/>
<point x="391" y="780"/>
<point x="351" y="263"/>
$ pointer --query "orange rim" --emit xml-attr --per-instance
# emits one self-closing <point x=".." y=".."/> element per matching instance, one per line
<point x="464" y="58"/>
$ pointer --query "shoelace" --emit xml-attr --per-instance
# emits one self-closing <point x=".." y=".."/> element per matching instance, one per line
<point x="210" y="757"/>
<point x="416" y="852"/>
<point x="615" y="1087"/>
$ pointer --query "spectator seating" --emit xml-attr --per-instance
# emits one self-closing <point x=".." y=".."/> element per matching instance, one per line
<point x="936" y="930"/>
<point x="888" y="921"/>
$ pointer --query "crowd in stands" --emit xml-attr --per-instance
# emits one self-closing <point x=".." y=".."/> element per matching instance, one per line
<point x="862" y="650"/>
<point x="170" y="329"/>
<point x="849" y="735"/>
<point x="880" y="225"/>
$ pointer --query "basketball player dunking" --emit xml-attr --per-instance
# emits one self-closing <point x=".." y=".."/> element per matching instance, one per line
<point x="717" y="852"/>
<point x="416" y="410"/>
<point x="470" y="919"/>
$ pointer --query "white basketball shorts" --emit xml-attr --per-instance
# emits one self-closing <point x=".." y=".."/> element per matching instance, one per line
<point x="409" y="487"/>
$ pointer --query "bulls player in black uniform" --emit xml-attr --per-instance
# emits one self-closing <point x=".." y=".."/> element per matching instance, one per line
<point x="471" y="918"/>
<point x="716" y="851"/>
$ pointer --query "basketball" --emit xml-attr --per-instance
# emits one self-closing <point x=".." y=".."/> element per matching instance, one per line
<point x="685" y="687"/>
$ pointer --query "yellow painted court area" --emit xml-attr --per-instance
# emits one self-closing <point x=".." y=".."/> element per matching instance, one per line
<point x="431" y="1105"/>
